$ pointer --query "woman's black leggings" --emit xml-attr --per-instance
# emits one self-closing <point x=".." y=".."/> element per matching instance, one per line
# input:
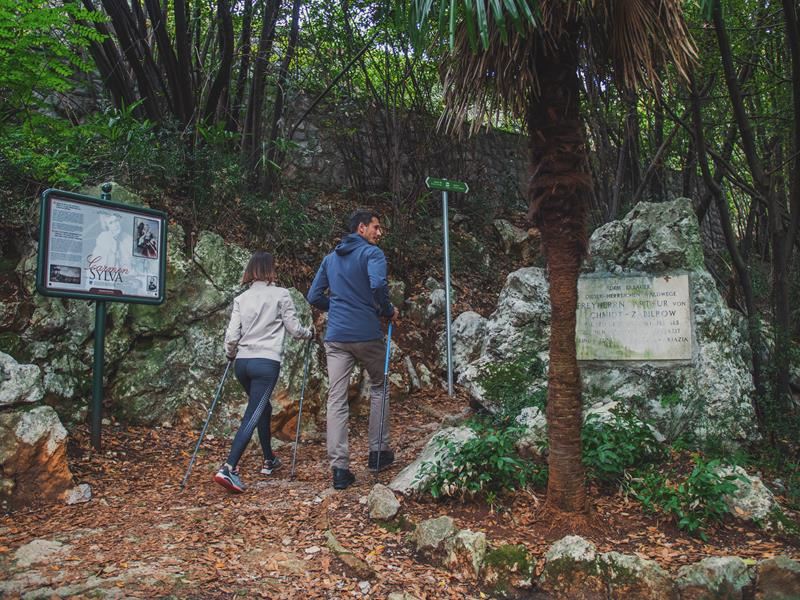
<point x="258" y="377"/>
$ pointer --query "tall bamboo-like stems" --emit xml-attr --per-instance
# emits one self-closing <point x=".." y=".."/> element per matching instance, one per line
<point x="739" y="264"/>
<point x="251" y="132"/>
<point x="274" y="154"/>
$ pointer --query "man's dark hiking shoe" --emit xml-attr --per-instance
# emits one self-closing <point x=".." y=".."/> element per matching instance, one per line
<point x="229" y="479"/>
<point x="342" y="478"/>
<point x="270" y="466"/>
<point x="386" y="460"/>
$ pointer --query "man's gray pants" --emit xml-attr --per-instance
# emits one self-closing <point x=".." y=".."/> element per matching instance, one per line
<point x="342" y="357"/>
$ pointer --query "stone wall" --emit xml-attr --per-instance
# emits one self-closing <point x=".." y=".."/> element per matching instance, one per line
<point x="361" y="149"/>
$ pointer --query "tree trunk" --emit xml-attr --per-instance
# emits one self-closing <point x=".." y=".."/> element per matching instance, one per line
<point x="182" y="100"/>
<point x="739" y="264"/>
<point x="559" y="194"/>
<point x="235" y="116"/>
<point x="223" y="78"/>
<point x="760" y="181"/>
<point x="274" y="154"/>
<point x="251" y="133"/>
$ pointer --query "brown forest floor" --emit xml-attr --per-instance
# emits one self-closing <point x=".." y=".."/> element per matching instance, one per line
<point x="141" y="536"/>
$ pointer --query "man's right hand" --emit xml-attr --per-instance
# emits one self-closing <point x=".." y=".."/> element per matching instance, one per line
<point x="395" y="318"/>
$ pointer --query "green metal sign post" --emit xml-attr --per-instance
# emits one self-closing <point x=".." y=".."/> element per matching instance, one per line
<point x="99" y="353"/>
<point x="447" y="185"/>
<point x="95" y="249"/>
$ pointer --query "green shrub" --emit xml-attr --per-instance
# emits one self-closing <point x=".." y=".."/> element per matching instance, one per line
<point x="507" y="385"/>
<point x="486" y="466"/>
<point x="695" y="501"/>
<point x="610" y="449"/>
<point x="285" y="222"/>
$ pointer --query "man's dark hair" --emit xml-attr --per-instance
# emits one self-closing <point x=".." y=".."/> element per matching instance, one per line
<point x="362" y="215"/>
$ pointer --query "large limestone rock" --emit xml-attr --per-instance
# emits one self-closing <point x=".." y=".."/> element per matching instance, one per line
<point x="571" y="569"/>
<point x="778" y="579"/>
<point x="520" y="243"/>
<point x="466" y="552"/>
<point x="709" y="398"/>
<point x="432" y="536"/>
<point x="631" y="576"/>
<point x="716" y="577"/>
<point x="163" y="363"/>
<point x="33" y="457"/>
<point x="414" y="477"/>
<point x="19" y="383"/>
<point x="508" y="571"/>
<point x="751" y="501"/>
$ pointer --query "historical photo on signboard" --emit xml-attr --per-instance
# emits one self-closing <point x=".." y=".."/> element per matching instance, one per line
<point x="65" y="274"/>
<point x="103" y="249"/>
<point x="146" y="236"/>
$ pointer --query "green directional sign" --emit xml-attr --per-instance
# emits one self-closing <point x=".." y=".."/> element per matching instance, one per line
<point x="446" y="185"/>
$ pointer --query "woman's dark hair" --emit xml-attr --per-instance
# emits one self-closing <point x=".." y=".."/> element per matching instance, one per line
<point x="260" y="267"/>
<point x="361" y="216"/>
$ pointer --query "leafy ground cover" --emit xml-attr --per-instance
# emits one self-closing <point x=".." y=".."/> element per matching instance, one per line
<point x="141" y="536"/>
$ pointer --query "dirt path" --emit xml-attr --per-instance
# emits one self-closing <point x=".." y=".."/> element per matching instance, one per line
<point x="141" y="536"/>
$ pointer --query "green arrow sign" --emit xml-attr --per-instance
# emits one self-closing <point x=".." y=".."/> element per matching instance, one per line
<point x="446" y="185"/>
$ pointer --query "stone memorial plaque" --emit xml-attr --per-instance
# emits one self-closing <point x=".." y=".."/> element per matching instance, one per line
<point x="638" y="318"/>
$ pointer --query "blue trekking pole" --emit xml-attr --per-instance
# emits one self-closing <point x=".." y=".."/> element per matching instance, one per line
<point x="385" y="393"/>
<point x="300" y="410"/>
<point x="208" y="420"/>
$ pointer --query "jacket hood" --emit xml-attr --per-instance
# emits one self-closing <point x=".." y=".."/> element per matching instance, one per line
<point x="350" y="243"/>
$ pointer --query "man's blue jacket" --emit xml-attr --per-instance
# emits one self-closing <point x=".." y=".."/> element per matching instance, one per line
<point x="354" y="275"/>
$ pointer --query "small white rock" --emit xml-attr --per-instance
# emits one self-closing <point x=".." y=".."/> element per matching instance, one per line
<point x="79" y="494"/>
<point x="312" y="550"/>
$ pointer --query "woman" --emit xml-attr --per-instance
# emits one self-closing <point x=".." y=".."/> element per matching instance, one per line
<point x="146" y="241"/>
<point x="255" y="338"/>
<point x="112" y="248"/>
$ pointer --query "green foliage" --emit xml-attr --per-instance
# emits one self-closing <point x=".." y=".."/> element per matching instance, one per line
<point x="508" y="385"/>
<point x="611" y="449"/>
<point x="40" y="48"/>
<point x="486" y="466"/>
<point x="695" y="501"/>
<point x="285" y="222"/>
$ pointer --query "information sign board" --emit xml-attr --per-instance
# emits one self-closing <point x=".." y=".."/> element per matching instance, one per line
<point x="634" y="318"/>
<point x="97" y="249"/>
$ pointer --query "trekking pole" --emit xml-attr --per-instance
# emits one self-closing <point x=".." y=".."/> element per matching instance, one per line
<point x="385" y="392"/>
<point x="208" y="420"/>
<point x="300" y="410"/>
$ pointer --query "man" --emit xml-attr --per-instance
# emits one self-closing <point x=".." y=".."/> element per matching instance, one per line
<point x="354" y="277"/>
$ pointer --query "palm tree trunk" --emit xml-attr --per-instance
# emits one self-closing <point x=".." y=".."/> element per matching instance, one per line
<point x="559" y="192"/>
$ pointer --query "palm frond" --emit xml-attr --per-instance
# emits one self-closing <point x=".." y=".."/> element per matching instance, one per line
<point x="639" y="37"/>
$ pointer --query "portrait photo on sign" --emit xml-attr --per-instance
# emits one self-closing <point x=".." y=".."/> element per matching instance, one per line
<point x="152" y="283"/>
<point x="145" y="238"/>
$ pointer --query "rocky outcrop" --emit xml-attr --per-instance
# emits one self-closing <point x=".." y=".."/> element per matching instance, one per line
<point x="716" y="577"/>
<point x="571" y="569"/>
<point x="517" y="242"/>
<point x="708" y="398"/>
<point x="432" y="536"/>
<point x="751" y="501"/>
<point x="436" y="454"/>
<point x="163" y="363"/>
<point x="19" y="383"/>
<point x="33" y="457"/>
<point x="778" y="579"/>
